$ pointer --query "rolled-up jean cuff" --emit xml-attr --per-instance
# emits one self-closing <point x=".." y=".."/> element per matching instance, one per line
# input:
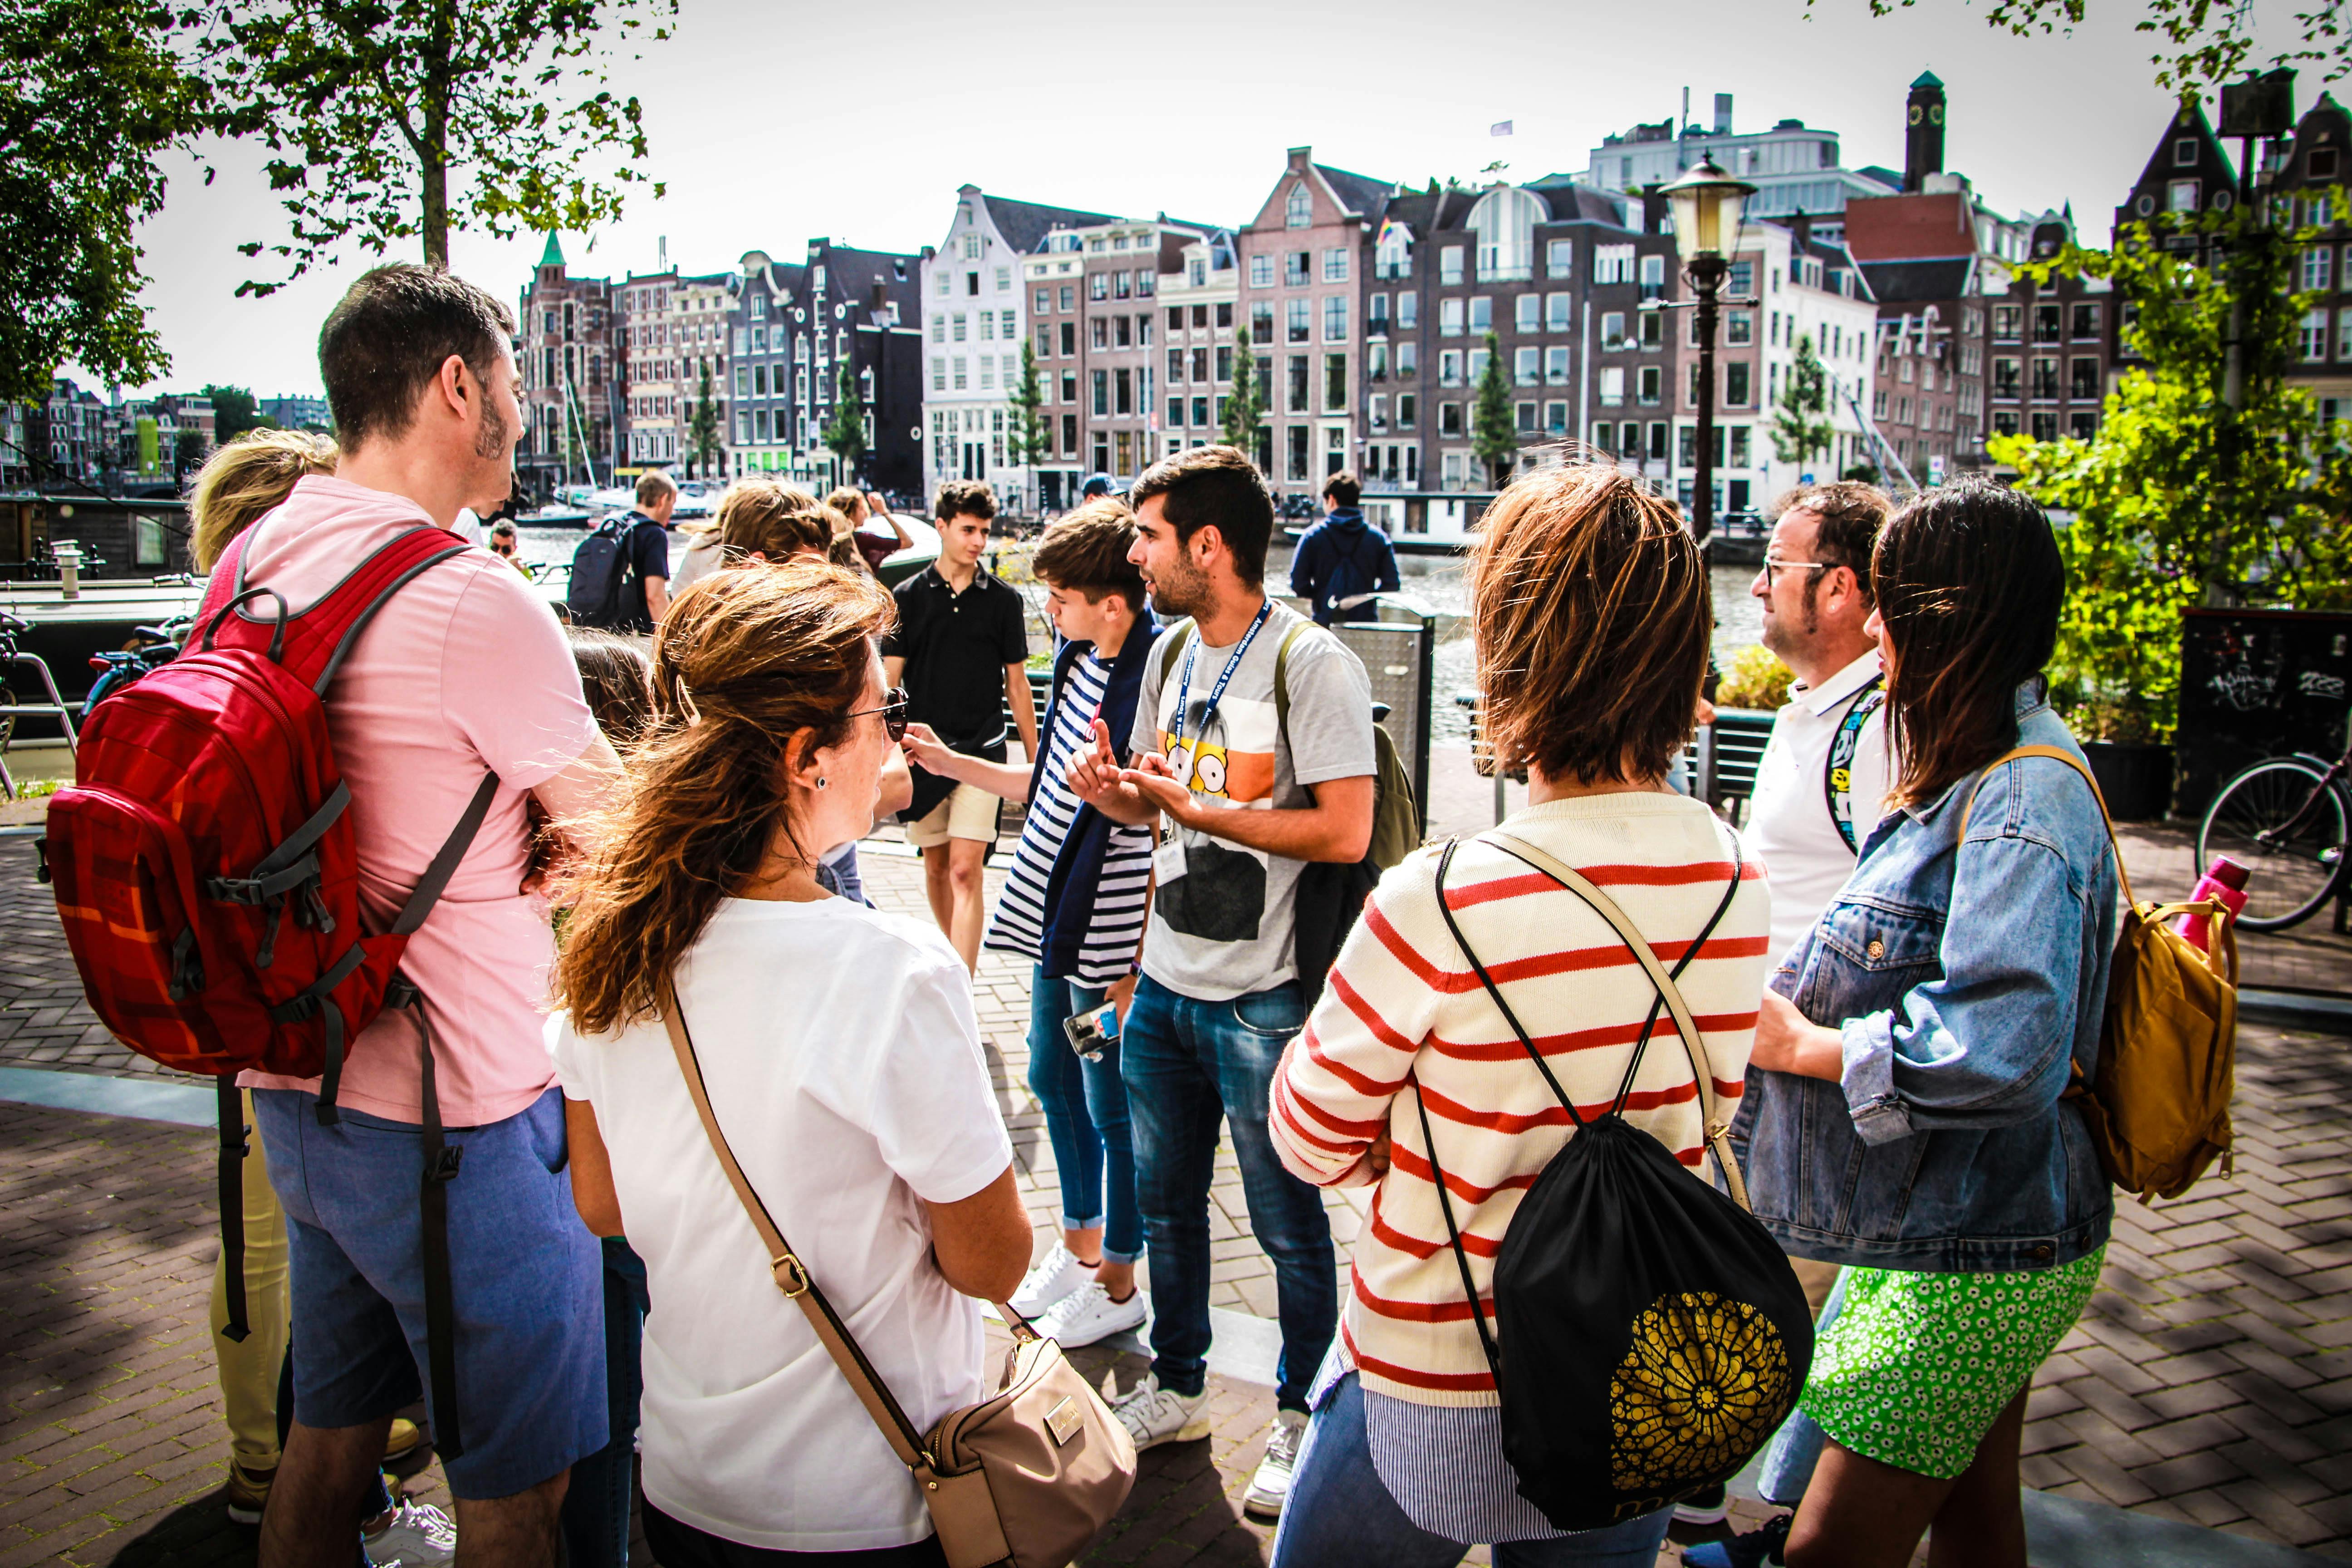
<point x="1071" y="1223"/>
<point x="1110" y="1256"/>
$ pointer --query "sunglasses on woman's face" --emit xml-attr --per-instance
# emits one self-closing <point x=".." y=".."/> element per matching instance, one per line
<point x="893" y="711"/>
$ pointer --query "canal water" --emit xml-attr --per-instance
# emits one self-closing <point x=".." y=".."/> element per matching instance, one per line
<point x="1434" y="581"/>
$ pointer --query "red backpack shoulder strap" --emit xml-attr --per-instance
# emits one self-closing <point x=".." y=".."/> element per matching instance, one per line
<point x="312" y="642"/>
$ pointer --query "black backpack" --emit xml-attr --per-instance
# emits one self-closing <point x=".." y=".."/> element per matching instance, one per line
<point x="600" y="567"/>
<point x="1652" y="1334"/>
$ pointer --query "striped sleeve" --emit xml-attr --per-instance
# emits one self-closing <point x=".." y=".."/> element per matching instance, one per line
<point x="1331" y="1095"/>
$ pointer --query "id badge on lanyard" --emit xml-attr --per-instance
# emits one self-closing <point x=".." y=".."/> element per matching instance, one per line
<point x="1168" y="860"/>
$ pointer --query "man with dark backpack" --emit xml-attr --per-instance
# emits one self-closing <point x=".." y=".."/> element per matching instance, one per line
<point x="620" y="572"/>
<point x="1342" y="562"/>
<point x="413" y="1131"/>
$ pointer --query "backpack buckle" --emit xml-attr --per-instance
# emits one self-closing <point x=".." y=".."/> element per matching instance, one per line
<point x="400" y="991"/>
<point x="187" y="966"/>
<point x="443" y="1166"/>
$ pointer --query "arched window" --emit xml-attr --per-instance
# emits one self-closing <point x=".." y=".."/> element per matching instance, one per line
<point x="1504" y="221"/>
<point x="1299" y="210"/>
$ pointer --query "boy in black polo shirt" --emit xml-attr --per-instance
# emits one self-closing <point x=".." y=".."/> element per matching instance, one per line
<point x="962" y="651"/>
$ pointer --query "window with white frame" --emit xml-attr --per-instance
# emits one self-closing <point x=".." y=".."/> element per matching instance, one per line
<point x="1261" y="271"/>
<point x="1527" y="314"/>
<point x="1449" y="318"/>
<point x="1449" y="265"/>
<point x="1526" y="367"/>
<point x="1335" y="265"/>
<point x="1504" y="221"/>
<point x="1613" y="263"/>
<point x="1299" y="208"/>
<point x="1558" y="309"/>
<point x="1482" y="313"/>
<point x="1335" y="319"/>
<point x="1559" y="259"/>
<point x="2312" y="337"/>
<point x="1556" y="367"/>
<point x="2319" y="262"/>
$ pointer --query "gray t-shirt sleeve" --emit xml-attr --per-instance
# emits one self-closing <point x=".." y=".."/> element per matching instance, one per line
<point x="1331" y="711"/>
<point x="1144" y="735"/>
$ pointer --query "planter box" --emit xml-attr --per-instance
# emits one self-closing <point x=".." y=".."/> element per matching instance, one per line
<point x="2136" y="778"/>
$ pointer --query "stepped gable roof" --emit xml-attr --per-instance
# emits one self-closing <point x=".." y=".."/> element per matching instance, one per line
<point x="1919" y="282"/>
<point x="1025" y="225"/>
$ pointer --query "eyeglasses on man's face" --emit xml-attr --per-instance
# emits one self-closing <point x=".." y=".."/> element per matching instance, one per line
<point x="1773" y="567"/>
<point x="893" y="711"/>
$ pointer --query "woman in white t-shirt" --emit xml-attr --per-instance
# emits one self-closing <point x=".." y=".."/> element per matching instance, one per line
<point x="843" y="1057"/>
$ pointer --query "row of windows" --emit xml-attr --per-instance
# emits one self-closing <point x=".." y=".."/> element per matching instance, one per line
<point x="2009" y="381"/>
<point x="1299" y="267"/>
<point x="2049" y="321"/>
<point x="2312" y="337"/>
<point x="2082" y="424"/>
<point x="1196" y="362"/>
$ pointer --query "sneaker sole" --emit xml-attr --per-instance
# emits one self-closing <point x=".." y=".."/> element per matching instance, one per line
<point x="1190" y="1432"/>
<point x="239" y="1514"/>
<point x="1265" y="1511"/>
<point x="1701" y="1516"/>
<point x="1098" y="1335"/>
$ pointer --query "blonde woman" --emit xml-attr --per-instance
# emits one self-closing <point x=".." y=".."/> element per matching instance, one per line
<point x="238" y="485"/>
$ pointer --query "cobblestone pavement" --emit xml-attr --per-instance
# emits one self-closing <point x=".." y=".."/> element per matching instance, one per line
<point x="2210" y="1382"/>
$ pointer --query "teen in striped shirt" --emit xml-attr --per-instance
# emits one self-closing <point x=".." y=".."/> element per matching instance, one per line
<point x="1592" y="617"/>
<point x="1074" y="907"/>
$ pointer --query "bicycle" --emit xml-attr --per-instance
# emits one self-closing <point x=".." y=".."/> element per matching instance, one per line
<point x="152" y="648"/>
<point x="2285" y="820"/>
<point x="11" y="709"/>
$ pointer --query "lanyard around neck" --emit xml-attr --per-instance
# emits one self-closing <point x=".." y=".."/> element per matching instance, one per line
<point x="1217" y="693"/>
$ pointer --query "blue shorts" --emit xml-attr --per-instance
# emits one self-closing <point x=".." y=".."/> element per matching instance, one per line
<point x="526" y="1280"/>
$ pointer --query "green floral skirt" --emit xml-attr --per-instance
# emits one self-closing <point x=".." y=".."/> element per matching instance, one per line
<point x="1915" y="1368"/>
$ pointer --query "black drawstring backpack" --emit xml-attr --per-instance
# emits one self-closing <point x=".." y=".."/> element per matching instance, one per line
<point x="1652" y="1334"/>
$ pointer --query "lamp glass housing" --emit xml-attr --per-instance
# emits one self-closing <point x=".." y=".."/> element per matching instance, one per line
<point x="1707" y="206"/>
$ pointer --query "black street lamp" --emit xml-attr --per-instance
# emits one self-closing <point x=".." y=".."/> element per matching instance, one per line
<point x="1707" y="202"/>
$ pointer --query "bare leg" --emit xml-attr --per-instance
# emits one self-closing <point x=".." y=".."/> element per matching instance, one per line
<point x="1118" y="1277"/>
<point x="518" y="1531"/>
<point x="967" y="872"/>
<point x="1862" y="1513"/>
<point x="934" y="886"/>
<point x="323" y="1482"/>
<point x="1982" y="1523"/>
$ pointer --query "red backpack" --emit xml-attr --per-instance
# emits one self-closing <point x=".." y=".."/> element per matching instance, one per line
<point x="207" y="878"/>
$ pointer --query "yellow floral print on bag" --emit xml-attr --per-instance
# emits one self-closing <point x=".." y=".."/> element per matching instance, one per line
<point x="1704" y="1385"/>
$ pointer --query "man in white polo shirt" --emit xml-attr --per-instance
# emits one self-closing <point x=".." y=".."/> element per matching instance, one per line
<point x="1821" y="784"/>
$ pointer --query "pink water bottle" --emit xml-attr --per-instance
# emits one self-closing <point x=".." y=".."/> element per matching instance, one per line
<point x="2224" y="879"/>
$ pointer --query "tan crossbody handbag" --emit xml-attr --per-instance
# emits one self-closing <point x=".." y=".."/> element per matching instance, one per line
<point x="1028" y="1476"/>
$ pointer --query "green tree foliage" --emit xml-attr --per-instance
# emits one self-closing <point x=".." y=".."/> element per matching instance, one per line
<point x="187" y="451"/>
<point x="1801" y="430"/>
<point x="1246" y="404"/>
<point x="235" y="412"/>
<point x="2179" y="499"/>
<point x="702" y="426"/>
<point x="845" y="428"/>
<point x="2201" y="43"/>
<point x="370" y="107"/>
<point x="1494" y="439"/>
<point x="1030" y="440"/>
<point x="91" y="95"/>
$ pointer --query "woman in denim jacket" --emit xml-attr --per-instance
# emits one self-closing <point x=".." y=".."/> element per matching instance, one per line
<point x="1904" y="1114"/>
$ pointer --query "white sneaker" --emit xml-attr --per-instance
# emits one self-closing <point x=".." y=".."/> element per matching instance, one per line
<point x="1087" y="1314"/>
<point x="1055" y="1276"/>
<point x="419" y="1534"/>
<point x="1153" y="1415"/>
<point x="1269" y="1488"/>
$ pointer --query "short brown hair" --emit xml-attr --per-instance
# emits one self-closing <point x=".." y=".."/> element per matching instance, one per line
<point x="1213" y="487"/>
<point x="652" y="486"/>
<point x="389" y="336"/>
<point x="1592" y="617"/>
<point x="1341" y="488"/>
<point x="775" y="519"/>
<point x="1849" y="514"/>
<point x="252" y="475"/>
<point x="1970" y="584"/>
<point x="964" y="498"/>
<point x="1086" y="551"/>
<point x="616" y="677"/>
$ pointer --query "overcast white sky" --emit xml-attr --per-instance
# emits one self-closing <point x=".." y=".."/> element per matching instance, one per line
<point x="771" y="125"/>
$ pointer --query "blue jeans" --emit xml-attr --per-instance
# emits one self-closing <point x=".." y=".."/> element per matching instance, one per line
<point x="597" y="1507"/>
<point x="1186" y="1064"/>
<point x="1339" y="1513"/>
<point x="1086" y="1118"/>
<point x="1796" y="1447"/>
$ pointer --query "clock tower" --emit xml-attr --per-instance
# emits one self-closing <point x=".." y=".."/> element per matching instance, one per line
<point x="1923" y="133"/>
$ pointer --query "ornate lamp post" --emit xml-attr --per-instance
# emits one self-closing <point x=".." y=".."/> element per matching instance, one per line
<point x="1707" y="203"/>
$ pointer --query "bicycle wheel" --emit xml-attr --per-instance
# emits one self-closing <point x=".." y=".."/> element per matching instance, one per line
<point x="2286" y="880"/>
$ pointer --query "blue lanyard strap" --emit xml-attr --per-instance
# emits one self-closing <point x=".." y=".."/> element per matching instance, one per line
<point x="1837" y="780"/>
<point x="1217" y="693"/>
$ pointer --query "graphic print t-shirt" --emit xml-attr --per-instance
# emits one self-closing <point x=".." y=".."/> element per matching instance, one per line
<point x="1224" y="929"/>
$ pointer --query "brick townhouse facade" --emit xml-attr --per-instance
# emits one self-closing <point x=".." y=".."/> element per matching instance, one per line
<point x="572" y="379"/>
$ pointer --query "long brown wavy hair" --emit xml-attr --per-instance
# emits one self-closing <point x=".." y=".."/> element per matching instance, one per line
<point x="1969" y="585"/>
<point x="741" y="664"/>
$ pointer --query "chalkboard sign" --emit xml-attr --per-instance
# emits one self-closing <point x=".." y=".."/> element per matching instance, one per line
<point x="2256" y="684"/>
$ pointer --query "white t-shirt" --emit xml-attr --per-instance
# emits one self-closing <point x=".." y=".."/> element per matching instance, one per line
<point x="844" y="1061"/>
<point x="1790" y="820"/>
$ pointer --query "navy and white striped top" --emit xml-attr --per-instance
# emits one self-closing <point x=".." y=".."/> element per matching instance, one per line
<point x="1116" y="926"/>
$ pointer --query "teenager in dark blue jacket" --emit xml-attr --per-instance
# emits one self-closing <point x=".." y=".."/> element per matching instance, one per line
<point x="1343" y="561"/>
<point x="1073" y="906"/>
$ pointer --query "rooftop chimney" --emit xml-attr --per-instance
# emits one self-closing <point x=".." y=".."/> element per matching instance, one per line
<point x="1722" y="114"/>
<point x="1923" y="133"/>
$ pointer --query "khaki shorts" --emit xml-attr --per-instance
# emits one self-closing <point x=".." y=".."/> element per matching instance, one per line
<point x="970" y="813"/>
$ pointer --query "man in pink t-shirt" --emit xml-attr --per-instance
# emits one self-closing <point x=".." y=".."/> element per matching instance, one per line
<point x="463" y="672"/>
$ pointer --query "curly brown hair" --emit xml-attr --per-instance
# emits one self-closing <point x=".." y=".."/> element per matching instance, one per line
<point x="742" y="664"/>
<point x="1592" y="614"/>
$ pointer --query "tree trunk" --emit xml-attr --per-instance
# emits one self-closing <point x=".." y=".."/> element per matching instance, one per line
<point x="433" y="159"/>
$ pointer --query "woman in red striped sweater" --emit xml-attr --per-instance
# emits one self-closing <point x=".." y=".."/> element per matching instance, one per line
<point x="1593" y="617"/>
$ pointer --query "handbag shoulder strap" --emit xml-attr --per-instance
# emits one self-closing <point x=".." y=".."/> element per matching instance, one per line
<point x="791" y="1275"/>
<point x="2057" y="755"/>
<point x="1715" y="1128"/>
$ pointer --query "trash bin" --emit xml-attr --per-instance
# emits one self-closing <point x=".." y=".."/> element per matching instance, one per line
<point x="2256" y="684"/>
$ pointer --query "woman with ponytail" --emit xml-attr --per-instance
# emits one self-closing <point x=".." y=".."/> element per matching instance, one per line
<point x="844" y="1061"/>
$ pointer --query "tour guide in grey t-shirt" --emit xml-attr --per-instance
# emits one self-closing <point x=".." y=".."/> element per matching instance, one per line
<point x="1219" y="998"/>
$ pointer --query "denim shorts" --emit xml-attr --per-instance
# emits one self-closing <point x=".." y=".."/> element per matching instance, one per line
<point x="526" y="1281"/>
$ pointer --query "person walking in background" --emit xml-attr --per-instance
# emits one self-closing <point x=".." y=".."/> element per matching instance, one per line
<point x="239" y="484"/>
<point x="1250" y="800"/>
<point x="961" y="650"/>
<point x="1820" y="785"/>
<point x="843" y="1058"/>
<point x="644" y="549"/>
<point x="1073" y="907"/>
<point x="423" y="388"/>
<point x="1342" y="560"/>
<point x="873" y="546"/>
<point x="1591" y="614"/>
<point x="1908" y="1121"/>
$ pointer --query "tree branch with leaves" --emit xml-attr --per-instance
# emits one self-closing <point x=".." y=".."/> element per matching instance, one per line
<point x="2201" y="44"/>
<point x="844" y="428"/>
<point x="1493" y="438"/>
<point x="396" y="119"/>
<point x="1801" y="428"/>
<point x="1246" y="404"/>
